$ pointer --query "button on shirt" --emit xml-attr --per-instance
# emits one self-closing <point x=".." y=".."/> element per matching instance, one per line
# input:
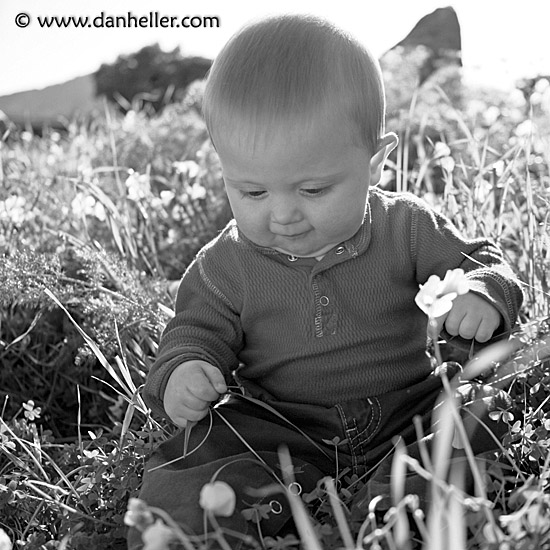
<point x="326" y="317"/>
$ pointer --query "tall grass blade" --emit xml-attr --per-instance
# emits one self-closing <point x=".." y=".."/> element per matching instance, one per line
<point x="398" y="477"/>
<point x="341" y="520"/>
<point x="132" y="395"/>
<point x="301" y="517"/>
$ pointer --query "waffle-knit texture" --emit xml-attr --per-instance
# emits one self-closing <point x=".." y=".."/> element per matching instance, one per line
<point x="324" y="332"/>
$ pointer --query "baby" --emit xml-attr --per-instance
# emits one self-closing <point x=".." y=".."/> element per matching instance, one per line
<point x="305" y="300"/>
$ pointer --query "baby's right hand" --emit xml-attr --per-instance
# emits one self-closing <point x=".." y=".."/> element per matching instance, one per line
<point x="191" y="388"/>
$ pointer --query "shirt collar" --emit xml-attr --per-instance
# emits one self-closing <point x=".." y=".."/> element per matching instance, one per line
<point x="351" y="248"/>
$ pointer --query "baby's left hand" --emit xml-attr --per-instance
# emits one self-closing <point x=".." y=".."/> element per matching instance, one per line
<point x="471" y="317"/>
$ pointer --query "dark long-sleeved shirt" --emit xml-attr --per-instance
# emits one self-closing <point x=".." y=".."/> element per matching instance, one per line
<point x="327" y="331"/>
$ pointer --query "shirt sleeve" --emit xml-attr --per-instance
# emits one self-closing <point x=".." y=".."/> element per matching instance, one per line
<point x="206" y="327"/>
<point x="437" y="245"/>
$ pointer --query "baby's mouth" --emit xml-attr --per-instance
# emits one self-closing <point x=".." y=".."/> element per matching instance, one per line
<point x="295" y="235"/>
<point x="292" y="236"/>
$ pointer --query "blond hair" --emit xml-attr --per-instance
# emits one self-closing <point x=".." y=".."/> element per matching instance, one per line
<point x="291" y="68"/>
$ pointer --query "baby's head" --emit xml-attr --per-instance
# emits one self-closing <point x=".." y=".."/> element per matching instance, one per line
<point x="288" y="70"/>
<point x="295" y="108"/>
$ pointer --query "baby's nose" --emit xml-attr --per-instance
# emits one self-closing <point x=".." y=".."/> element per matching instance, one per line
<point x="285" y="212"/>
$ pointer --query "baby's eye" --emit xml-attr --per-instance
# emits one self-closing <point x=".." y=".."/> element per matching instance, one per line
<point x="253" y="194"/>
<point x="314" y="191"/>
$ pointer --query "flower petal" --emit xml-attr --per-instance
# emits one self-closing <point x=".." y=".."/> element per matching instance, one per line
<point x="442" y="305"/>
<point x="455" y="281"/>
<point x="219" y="498"/>
<point x="157" y="536"/>
<point x="428" y="294"/>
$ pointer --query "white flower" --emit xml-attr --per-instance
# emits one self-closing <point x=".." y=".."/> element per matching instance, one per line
<point x="435" y="297"/>
<point x="525" y="129"/>
<point x="545" y="101"/>
<point x="513" y="524"/>
<point x="85" y="205"/>
<point x="157" y="537"/>
<point x="197" y="192"/>
<point x="167" y="197"/>
<point x="15" y="209"/>
<point x="516" y="99"/>
<point x="499" y="167"/>
<point x="188" y="168"/>
<point x="138" y="186"/>
<point x="31" y="412"/>
<point x="441" y="150"/>
<point x="5" y="542"/>
<point x="129" y="122"/>
<point x="442" y="154"/>
<point x="138" y="514"/>
<point x="218" y="498"/>
<point x="490" y="115"/>
<point x="447" y="164"/>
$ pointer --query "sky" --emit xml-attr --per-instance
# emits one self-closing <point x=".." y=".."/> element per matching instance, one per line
<point x="502" y="41"/>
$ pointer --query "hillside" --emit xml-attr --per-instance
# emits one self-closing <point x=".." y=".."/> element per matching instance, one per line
<point x="52" y="104"/>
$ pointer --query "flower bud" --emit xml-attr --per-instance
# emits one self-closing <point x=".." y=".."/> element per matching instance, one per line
<point x="218" y="498"/>
<point x="5" y="542"/>
<point x="157" y="536"/>
<point x="138" y="514"/>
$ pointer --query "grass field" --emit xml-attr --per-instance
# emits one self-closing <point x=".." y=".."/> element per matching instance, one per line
<point x="96" y="221"/>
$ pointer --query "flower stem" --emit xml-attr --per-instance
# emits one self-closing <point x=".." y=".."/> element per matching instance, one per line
<point x="433" y="334"/>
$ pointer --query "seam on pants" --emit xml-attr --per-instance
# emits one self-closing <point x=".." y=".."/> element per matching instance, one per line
<point x="359" y="434"/>
<point x="376" y="410"/>
<point x="347" y="430"/>
<point x="359" y="446"/>
<point x="379" y="407"/>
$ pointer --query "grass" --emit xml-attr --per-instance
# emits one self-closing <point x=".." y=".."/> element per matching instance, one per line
<point x="97" y="221"/>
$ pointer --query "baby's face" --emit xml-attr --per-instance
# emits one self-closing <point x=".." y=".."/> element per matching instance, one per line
<point x="300" y="192"/>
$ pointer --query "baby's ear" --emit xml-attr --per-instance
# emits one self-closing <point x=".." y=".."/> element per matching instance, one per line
<point x="386" y="145"/>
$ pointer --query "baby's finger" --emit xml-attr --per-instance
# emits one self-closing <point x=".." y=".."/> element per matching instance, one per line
<point x="184" y="414"/>
<point x="198" y="384"/>
<point x="453" y="321"/>
<point x="469" y="326"/>
<point x="216" y="378"/>
<point x="193" y="402"/>
<point x="485" y="330"/>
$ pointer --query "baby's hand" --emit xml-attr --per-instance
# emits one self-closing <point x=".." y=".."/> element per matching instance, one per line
<point x="471" y="317"/>
<point x="191" y="388"/>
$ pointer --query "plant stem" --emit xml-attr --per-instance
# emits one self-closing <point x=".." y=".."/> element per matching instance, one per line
<point x="433" y="334"/>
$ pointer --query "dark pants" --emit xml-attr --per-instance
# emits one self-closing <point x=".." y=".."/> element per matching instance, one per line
<point x="357" y="434"/>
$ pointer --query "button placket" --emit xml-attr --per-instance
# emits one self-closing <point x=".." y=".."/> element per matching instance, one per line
<point x="326" y="316"/>
<point x="318" y="314"/>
